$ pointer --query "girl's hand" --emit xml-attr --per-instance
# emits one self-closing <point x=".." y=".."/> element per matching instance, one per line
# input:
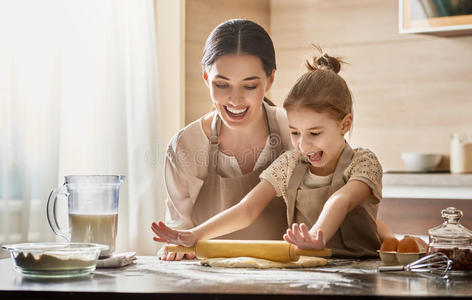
<point x="170" y="256"/>
<point x="301" y="237"/>
<point x="166" y="234"/>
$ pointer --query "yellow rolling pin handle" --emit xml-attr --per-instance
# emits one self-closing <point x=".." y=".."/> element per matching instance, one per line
<point x="179" y="249"/>
<point x="296" y="252"/>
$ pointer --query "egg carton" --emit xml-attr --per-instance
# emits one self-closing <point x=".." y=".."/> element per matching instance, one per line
<point x="399" y="258"/>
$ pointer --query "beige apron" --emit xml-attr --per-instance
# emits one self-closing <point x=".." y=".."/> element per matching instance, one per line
<point x="357" y="236"/>
<point x="219" y="193"/>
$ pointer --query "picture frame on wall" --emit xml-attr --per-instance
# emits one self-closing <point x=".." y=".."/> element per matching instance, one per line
<point x="439" y="17"/>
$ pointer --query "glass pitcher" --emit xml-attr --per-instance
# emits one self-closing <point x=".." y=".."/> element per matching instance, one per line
<point x="92" y="209"/>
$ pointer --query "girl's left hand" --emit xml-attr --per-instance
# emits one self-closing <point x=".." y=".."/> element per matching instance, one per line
<point x="302" y="238"/>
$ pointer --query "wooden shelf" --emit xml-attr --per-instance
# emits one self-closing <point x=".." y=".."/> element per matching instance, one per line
<point x="427" y="179"/>
<point x="427" y="186"/>
<point x="444" y="26"/>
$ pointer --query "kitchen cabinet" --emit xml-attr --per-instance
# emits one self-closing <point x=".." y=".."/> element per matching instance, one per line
<point x="417" y="215"/>
<point x="439" y="17"/>
<point x="154" y="279"/>
<point x="412" y="202"/>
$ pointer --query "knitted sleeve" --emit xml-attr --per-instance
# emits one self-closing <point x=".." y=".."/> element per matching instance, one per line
<point x="366" y="167"/>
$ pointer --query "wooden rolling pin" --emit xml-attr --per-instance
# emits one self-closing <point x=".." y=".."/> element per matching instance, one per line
<point x="272" y="250"/>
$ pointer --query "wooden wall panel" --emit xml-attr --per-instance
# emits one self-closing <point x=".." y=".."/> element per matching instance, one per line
<point x="201" y="17"/>
<point x="410" y="91"/>
<point x="333" y="22"/>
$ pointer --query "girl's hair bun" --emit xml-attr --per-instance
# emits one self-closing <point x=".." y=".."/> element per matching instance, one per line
<point x="324" y="62"/>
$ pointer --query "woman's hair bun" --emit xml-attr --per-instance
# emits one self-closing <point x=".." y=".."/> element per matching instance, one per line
<point x="324" y="62"/>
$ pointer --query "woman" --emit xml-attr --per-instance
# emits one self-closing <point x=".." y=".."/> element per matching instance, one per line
<point x="216" y="160"/>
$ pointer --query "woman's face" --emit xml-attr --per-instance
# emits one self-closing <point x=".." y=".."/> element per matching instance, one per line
<point x="237" y="86"/>
<point x="319" y="137"/>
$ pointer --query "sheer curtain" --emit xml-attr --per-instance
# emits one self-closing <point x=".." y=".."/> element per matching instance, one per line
<point x="78" y="92"/>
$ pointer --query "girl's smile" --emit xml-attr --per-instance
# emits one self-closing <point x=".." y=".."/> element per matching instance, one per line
<point x="319" y="137"/>
<point x="314" y="157"/>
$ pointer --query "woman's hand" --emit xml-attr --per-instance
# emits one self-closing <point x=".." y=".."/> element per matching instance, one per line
<point x="302" y="238"/>
<point x="166" y="234"/>
<point x="164" y="255"/>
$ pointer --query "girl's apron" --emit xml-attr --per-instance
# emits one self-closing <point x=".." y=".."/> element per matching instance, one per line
<point x="219" y="193"/>
<point x="357" y="236"/>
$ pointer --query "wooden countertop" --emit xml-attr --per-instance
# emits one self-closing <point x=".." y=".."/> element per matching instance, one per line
<point x="151" y="278"/>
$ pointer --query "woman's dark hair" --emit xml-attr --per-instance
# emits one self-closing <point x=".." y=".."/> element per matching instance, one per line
<point x="239" y="36"/>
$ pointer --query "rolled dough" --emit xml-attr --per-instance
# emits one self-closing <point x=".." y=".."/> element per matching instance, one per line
<point x="258" y="263"/>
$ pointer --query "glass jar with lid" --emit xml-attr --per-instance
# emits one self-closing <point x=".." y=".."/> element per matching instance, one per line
<point x="452" y="239"/>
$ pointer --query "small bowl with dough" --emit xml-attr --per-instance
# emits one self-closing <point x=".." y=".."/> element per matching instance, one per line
<point x="52" y="260"/>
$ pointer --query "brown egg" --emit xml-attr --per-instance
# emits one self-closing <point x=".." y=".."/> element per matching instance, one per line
<point x="389" y="244"/>
<point x="422" y="246"/>
<point x="408" y="245"/>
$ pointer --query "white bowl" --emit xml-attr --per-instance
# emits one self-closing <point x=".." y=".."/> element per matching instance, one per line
<point x="420" y="162"/>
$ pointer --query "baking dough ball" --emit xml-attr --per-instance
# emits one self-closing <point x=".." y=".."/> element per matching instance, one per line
<point x="258" y="263"/>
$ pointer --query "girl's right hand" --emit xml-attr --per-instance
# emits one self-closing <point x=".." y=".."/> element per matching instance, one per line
<point x="170" y="256"/>
<point x="166" y="234"/>
<point x="303" y="239"/>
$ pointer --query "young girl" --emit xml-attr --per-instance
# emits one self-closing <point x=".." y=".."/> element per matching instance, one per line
<point x="331" y="191"/>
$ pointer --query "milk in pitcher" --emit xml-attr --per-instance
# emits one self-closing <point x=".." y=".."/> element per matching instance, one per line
<point x="94" y="228"/>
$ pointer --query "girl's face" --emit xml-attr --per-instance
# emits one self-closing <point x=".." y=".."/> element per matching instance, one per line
<point x="319" y="137"/>
<point x="237" y="86"/>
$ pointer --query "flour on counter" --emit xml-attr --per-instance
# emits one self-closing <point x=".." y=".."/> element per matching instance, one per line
<point x="192" y="272"/>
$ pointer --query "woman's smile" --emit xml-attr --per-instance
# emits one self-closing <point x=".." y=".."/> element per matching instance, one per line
<point x="236" y="113"/>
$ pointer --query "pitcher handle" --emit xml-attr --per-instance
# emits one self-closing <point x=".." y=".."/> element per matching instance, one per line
<point x="51" y="213"/>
